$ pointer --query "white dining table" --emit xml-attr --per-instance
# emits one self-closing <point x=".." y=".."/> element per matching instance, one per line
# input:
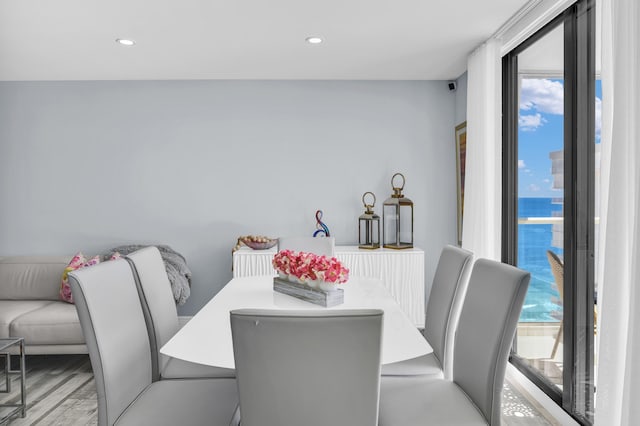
<point x="206" y="338"/>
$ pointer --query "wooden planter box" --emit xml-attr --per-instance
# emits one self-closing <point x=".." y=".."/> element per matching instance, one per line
<point x="308" y="294"/>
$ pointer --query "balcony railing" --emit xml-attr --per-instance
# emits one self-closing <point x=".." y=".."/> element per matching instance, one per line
<point x="545" y="220"/>
<point x="539" y="220"/>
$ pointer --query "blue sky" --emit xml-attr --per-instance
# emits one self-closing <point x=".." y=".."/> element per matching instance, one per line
<point x="540" y="131"/>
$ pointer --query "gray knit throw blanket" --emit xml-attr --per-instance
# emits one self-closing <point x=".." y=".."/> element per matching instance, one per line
<point x="177" y="270"/>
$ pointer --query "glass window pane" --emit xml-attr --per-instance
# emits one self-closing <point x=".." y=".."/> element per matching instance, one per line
<point x="540" y="203"/>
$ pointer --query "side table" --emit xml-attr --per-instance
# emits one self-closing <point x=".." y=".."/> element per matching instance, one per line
<point x="5" y="345"/>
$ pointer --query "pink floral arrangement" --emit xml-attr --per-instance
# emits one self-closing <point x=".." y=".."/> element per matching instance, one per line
<point x="308" y="267"/>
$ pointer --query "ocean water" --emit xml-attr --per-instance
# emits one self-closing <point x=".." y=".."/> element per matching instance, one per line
<point x="542" y="299"/>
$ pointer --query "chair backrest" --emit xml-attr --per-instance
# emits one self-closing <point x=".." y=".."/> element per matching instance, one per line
<point x="445" y="302"/>
<point x="557" y="269"/>
<point x="114" y="329"/>
<point x="320" y="245"/>
<point x="158" y="304"/>
<point x="485" y="333"/>
<point x="311" y="368"/>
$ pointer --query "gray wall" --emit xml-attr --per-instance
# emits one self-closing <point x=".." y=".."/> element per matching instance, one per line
<point x="195" y="164"/>
<point x="461" y="99"/>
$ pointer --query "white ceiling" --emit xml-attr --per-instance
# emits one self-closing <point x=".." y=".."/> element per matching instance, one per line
<point x="244" y="39"/>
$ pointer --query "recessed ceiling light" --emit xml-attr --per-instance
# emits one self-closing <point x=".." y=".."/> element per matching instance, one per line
<point x="314" y="40"/>
<point x="125" y="42"/>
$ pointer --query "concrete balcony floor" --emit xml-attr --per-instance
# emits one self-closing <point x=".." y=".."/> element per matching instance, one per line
<point x="535" y="341"/>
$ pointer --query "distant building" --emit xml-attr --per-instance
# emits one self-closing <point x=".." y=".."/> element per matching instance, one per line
<point x="557" y="171"/>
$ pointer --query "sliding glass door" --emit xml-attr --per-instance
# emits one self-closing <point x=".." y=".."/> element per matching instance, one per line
<point x="548" y="203"/>
<point x="540" y="196"/>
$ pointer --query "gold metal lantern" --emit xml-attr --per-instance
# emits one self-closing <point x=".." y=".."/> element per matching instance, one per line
<point x="369" y="224"/>
<point x="397" y="218"/>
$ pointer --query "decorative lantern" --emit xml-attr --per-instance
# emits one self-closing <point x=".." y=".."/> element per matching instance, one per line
<point x="369" y="225"/>
<point x="397" y="218"/>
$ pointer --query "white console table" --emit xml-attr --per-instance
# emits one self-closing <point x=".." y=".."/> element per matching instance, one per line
<point x="401" y="271"/>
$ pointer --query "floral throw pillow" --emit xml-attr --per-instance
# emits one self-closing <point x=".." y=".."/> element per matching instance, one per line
<point x="78" y="261"/>
<point x="115" y="256"/>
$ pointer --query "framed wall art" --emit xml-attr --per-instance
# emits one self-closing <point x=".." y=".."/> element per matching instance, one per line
<point x="461" y="155"/>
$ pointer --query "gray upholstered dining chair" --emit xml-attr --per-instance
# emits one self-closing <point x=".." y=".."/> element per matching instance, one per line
<point x="116" y="335"/>
<point x="311" y="368"/>
<point x="485" y="333"/>
<point x="443" y="311"/>
<point x="161" y="317"/>
<point x="320" y="245"/>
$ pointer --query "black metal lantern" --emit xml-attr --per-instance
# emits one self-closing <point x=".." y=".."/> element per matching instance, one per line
<point x="397" y="218"/>
<point x="369" y="225"/>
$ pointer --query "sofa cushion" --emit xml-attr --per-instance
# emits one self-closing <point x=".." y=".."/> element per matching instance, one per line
<point x="31" y="277"/>
<point x="12" y="309"/>
<point x="54" y="323"/>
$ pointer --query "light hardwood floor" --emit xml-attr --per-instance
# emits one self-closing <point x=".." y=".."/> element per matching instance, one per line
<point x="61" y="391"/>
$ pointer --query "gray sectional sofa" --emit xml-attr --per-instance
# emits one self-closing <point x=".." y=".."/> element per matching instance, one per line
<point x="30" y="306"/>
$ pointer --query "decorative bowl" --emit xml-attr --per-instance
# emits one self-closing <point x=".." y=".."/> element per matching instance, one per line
<point x="260" y="243"/>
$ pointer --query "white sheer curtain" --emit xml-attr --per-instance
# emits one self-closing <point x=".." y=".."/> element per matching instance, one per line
<point x="618" y="384"/>
<point x="483" y="182"/>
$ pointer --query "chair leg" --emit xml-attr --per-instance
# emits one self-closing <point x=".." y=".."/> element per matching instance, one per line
<point x="236" y="419"/>
<point x="558" y="337"/>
